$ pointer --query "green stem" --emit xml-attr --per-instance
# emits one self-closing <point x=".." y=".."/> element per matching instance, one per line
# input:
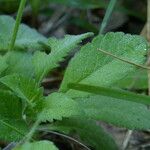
<point x="33" y="129"/>
<point x="124" y="60"/>
<point x="107" y="15"/>
<point x="16" y="28"/>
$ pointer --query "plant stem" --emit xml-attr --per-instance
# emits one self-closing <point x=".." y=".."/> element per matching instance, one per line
<point x="124" y="60"/>
<point x="108" y="13"/>
<point x="33" y="129"/>
<point x="17" y="23"/>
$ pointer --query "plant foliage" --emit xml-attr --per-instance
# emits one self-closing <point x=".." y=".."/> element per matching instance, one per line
<point x="41" y="145"/>
<point x="89" y="92"/>
<point x="97" y="69"/>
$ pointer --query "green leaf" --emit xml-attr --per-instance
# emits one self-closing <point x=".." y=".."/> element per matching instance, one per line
<point x="92" y="67"/>
<point x="89" y="132"/>
<point x="121" y="113"/>
<point x="3" y="64"/>
<point x="40" y="145"/>
<point x="12" y="125"/>
<point x="23" y="41"/>
<point x="135" y="80"/>
<point x="19" y="62"/>
<point x="44" y="63"/>
<point x="58" y="105"/>
<point x="24" y="87"/>
<point x="112" y="92"/>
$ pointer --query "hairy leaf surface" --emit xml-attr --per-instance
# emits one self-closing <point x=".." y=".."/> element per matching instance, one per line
<point x="44" y="63"/>
<point x="25" y="88"/>
<point x="12" y="126"/>
<point x="135" y="80"/>
<point x="20" y="63"/>
<point x="126" y="114"/>
<point x="57" y="105"/>
<point x="92" y="67"/>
